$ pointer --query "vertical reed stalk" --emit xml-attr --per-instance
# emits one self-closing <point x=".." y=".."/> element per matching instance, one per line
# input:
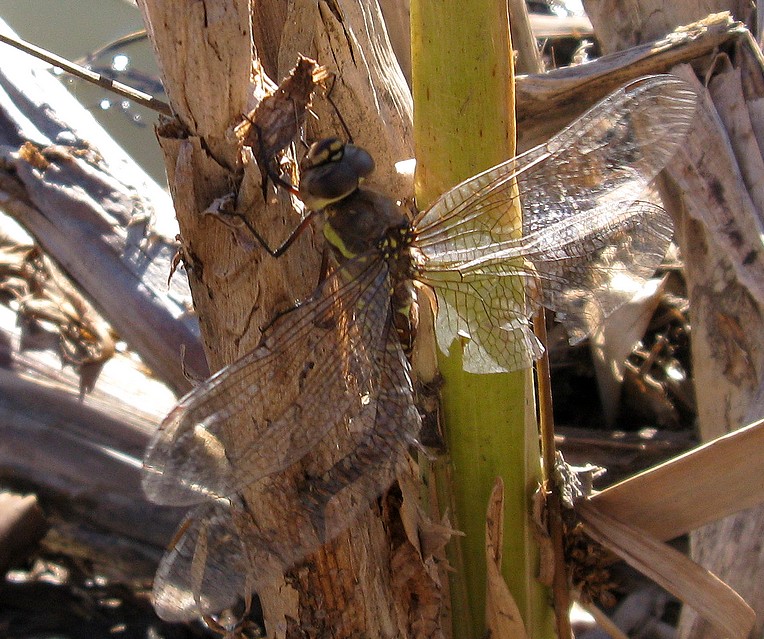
<point x="463" y="87"/>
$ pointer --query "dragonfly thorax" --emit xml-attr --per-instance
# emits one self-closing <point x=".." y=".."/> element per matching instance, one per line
<point x="367" y="225"/>
<point x="320" y="414"/>
<point x="365" y="221"/>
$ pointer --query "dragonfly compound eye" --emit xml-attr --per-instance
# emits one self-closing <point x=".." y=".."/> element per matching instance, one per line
<point x="331" y="171"/>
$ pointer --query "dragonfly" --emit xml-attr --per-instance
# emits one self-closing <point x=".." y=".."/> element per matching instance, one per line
<point x="328" y="389"/>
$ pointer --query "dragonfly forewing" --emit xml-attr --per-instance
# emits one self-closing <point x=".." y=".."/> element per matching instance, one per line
<point x="584" y="226"/>
<point x="611" y="153"/>
<point x="316" y="366"/>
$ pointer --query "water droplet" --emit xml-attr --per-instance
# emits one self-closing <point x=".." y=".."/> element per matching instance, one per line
<point x="120" y="62"/>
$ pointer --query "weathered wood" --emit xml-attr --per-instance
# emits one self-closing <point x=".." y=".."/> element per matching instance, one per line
<point x="93" y="211"/>
<point x="714" y="195"/>
<point x="22" y="525"/>
<point x="46" y="429"/>
<point x="347" y="588"/>
<point x="397" y="15"/>
<point x="620" y="24"/>
<point x="82" y="455"/>
<point x="716" y="214"/>
<point x="549" y="101"/>
<point x="523" y="39"/>
<point x="551" y="27"/>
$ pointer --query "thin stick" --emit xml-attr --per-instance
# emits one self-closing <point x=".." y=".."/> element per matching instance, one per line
<point x="603" y="621"/>
<point x="86" y="74"/>
<point x="560" y="590"/>
<point x="121" y="41"/>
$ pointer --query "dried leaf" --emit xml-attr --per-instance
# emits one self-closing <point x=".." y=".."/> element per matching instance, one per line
<point x="542" y="539"/>
<point x="705" y="484"/>
<point x="418" y="563"/>
<point x="428" y="537"/>
<point x="615" y="338"/>
<point x="670" y="569"/>
<point x="502" y="616"/>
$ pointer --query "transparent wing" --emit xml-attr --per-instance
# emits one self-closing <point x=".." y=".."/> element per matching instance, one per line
<point x="371" y="457"/>
<point x="597" y="262"/>
<point x="336" y="482"/>
<point x="208" y="568"/>
<point x="610" y="153"/>
<point x="579" y="193"/>
<point x="343" y="473"/>
<point x="490" y="313"/>
<point x="603" y="260"/>
<point x="225" y="552"/>
<point x="315" y="367"/>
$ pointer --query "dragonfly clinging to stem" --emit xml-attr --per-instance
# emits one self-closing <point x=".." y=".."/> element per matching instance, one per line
<point x="331" y="374"/>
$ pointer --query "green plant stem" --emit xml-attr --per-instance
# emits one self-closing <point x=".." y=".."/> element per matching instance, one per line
<point x="464" y="122"/>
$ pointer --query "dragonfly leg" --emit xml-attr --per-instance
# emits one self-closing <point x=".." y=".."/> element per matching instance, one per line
<point x="278" y="252"/>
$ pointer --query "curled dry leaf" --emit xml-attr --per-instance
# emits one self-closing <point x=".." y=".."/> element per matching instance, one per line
<point x="47" y="301"/>
<point x="542" y="538"/>
<point x="419" y="562"/>
<point x="427" y="537"/>
<point x="615" y="338"/>
<point x="502" y="616"/>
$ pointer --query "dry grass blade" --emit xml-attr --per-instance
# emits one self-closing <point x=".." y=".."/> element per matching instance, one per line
<point x="672" y="570"/>
<point x="725" y="478"/>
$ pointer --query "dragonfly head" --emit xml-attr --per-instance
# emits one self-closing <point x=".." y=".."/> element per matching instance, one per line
<point x="331" y="171"/>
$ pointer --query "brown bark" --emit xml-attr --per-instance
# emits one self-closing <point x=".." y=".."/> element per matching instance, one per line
<point x="719" y="228"/>
<point x="205" y="53"/>
<point x="714" y="194"/>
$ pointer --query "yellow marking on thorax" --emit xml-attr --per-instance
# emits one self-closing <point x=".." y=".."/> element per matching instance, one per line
<point x="336" y="241"/>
